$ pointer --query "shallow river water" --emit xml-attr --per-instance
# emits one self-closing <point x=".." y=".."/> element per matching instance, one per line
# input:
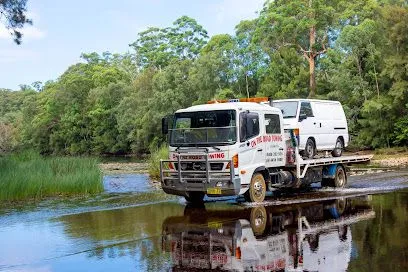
<point x="134" y="226"/>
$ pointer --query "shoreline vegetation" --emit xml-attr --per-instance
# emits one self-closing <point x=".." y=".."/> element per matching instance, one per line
<point x="388" y="157"/>
<point x="29" y="176"/>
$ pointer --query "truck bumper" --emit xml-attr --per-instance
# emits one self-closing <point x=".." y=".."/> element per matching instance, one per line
<point x="220" y="182"/>
<point x="214" y="188"/>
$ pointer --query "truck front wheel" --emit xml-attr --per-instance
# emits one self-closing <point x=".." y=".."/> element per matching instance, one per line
<point x="258" y="220"/>
<point x="194" y="197"/>
<point x="257" y="189"/>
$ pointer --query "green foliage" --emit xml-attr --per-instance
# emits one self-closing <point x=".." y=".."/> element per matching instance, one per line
<point x="286" y="76"/>
<point x="113" y="103"/>
<point x="27" y="175"/>
<point x="161" y="153"/>
<point x="158" y="47"/>
<point x="401" y="132"/>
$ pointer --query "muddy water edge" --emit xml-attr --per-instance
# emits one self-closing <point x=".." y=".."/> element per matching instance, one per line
<point x="134" y="226"/>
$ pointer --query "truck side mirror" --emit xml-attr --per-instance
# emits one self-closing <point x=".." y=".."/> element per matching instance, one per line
<point x="302" y="117"/>
<point x="165" y="126"/>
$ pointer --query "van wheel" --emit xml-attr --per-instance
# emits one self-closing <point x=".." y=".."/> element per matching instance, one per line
<point x="257" y="189"/>
<point x="310" y="149"/>
<point x="338" y="149"/>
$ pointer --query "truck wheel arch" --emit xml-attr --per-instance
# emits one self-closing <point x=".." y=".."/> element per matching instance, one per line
<point x="265" y="173"/>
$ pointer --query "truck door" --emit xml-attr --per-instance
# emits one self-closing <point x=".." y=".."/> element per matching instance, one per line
<point x="275" y="151"/>
<point x="251" y="151"/>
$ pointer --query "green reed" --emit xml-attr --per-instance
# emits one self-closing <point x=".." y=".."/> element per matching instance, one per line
<point x="28" y="175"/>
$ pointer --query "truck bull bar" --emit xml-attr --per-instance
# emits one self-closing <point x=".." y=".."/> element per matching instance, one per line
<point x="220" y="182"/>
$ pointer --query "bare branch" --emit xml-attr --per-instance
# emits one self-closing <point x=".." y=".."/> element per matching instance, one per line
<point x="323" y="45"/>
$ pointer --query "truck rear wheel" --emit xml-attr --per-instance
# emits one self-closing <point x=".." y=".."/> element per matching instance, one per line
<point x="194" y="197"/>
<point x="257" y="189"/>
<point x="339" y="180"/>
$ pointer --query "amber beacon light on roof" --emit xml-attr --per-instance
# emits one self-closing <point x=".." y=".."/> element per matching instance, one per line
<point x="251" y="99"/>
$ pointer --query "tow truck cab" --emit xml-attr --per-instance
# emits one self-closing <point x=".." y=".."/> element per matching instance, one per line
<point x="221" y="145"/>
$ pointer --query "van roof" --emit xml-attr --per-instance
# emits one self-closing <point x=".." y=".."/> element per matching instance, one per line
<point x="307" y="100"/>
<point x="240" y="106"/>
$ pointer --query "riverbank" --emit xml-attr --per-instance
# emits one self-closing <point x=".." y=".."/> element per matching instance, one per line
<point x="393" y="160"/>
<point x="124" y="167"/>
<point x="388" y="157"/>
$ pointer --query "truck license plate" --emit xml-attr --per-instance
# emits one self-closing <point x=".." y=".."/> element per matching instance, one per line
<point x="214" y="191"/>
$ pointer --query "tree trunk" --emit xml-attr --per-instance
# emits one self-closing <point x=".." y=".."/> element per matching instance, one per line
<point x="312" y="80"/>
<point x="312" y="62"/>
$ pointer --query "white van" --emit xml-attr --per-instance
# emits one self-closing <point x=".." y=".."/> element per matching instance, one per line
<point x="322" y="124"/>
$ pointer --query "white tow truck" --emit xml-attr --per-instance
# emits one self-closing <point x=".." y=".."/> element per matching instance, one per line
<point x="240" y="147"/>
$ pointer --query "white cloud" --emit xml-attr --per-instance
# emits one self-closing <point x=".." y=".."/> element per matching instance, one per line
<point x="29" y="33"/>
<point x="33" y="269"/>
<point x="237" y="10"/>
<point x="32" y="32"/>
<point x="17" y="54"/>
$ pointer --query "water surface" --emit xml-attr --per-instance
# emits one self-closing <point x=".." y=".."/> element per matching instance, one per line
<point x="134" y="226"/>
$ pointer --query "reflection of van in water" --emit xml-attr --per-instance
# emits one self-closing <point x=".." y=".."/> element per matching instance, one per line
<point x="322" y="124"/>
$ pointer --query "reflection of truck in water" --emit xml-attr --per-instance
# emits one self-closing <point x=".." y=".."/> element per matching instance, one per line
<point x="312" y="237"/>
<point x="242" y="148"/>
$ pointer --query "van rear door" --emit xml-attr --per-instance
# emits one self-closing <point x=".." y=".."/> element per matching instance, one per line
<point x="308" y="127"/>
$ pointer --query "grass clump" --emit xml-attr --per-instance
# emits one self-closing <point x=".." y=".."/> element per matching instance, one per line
<point x="156" y="155"/>
<point x="28" y="175"/>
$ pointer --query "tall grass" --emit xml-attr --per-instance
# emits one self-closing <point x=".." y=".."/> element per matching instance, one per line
<point x="27" y="175"/>
<point x="154" y="161"/>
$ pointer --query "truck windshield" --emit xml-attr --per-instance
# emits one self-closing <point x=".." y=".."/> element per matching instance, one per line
<point x="204" y="128"/>
<point x="288" y="108"/>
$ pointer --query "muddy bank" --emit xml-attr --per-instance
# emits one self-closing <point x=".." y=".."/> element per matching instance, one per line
<point x="124" y="168"/>
<point x="392" y="161"/>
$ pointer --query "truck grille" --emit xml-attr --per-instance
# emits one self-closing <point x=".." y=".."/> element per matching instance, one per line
<point x="199" y="166"/>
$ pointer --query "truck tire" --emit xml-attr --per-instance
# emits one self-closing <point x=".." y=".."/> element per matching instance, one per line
<point x="194" y="197"/>
<point x="338" y="149"/>
<point x="339" y="180"/>
<point x="310" y="149"/>
<point x="258" y="220"/>
<point x="257" y="189"/>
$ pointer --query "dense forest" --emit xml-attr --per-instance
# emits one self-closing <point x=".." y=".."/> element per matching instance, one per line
<point x="352" y="51"/>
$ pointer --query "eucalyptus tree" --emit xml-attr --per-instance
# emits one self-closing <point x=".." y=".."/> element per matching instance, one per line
<point x="309" y="26"/>
<point x="158" y="47"/>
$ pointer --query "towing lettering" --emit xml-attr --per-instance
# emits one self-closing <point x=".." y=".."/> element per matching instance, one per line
<point x="221" y="155"/>
<point x="217" y="156"/>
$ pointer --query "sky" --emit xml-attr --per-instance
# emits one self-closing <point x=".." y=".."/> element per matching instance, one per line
<point x="62" y="30"/>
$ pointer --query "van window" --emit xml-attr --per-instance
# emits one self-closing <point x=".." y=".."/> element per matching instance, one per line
<point x="306" y="108"/>
<point x="249" y="125"/>
<point x="272" y="124"/>
<point x="288" y="108"/>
